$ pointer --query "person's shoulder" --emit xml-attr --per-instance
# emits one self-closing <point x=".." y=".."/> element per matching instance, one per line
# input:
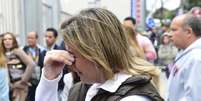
<point x="41" y="48"/>
<point x="25" y="47"/>
<point x="161" y="46"/>
<point x="145" y="38"/>
<point x="145" y="41"/>
<point x="56" y="46"/>
<point x="191" y="58"/>
<point x="142" y="36"/>
<point x="139" y="85"/>
<point x="196" y="54"/>
<point x="138" y="79"/>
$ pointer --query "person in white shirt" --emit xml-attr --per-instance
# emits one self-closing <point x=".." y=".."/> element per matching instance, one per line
<point x="98" y="51"/>
<point x="183" y="83"/>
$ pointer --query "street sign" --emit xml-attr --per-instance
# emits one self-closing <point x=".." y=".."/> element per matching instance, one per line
<point x="150" y="23"/>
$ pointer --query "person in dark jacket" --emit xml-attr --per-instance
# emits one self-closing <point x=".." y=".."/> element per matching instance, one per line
<point x="37" y="54"/>
<point x="50" y="39"/>
<point x="98" y="51"/>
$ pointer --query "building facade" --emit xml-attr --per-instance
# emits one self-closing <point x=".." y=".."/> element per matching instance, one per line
<point x="23" y="16"/>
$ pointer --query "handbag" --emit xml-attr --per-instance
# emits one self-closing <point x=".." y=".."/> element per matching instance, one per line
<point x="16" y="68"/>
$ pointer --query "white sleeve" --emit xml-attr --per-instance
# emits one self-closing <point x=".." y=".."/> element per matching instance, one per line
<point x="68" y="81"/>
<point x="136" y="98"/>
<point x="47" y="89"/>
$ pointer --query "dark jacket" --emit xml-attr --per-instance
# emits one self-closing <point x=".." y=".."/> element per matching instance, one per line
<point x="57" y="47"/>
<point x="135" y="85"/>
<point x="41" y="54"/>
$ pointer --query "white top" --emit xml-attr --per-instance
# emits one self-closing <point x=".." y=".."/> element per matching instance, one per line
<point x="68" y="81"/>
<point x="47" y="89"/>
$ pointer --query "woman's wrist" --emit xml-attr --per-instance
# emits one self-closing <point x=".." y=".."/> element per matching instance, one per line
<point x="50" y="74"/>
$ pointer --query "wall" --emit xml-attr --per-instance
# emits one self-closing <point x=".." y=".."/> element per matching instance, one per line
<point x="23" y="16"/>
<point x="9" y="17"/>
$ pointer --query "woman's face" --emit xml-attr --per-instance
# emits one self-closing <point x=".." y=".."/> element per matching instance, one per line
<point x="8" y="41"/>
<point x="166" y="40"/>
<point x="87" y="70"/>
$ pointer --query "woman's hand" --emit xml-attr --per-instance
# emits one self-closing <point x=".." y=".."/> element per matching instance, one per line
<point x="14" y="61"/>
<point x="20" y="85"/>
<point x="54" y="62"/>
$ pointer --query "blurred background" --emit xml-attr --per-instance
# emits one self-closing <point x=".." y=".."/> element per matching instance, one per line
<point x="23" y="16"/>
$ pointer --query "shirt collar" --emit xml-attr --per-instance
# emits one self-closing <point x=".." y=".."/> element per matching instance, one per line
<point x="195" y="44"/>
<point x="113" y="84"/>
<point x="110" y="85"/>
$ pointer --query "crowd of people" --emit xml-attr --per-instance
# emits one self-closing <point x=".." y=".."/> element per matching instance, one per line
<point x="102" y="59"/>
<point x="21" y="67"/>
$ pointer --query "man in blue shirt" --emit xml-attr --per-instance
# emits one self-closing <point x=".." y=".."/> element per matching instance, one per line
<point x="185" y="73"/>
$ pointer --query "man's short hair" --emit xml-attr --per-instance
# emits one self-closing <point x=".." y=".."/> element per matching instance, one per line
<point x="54" y="31"/>
<point x="131" y="19"/>
<point x="193" y="20"/>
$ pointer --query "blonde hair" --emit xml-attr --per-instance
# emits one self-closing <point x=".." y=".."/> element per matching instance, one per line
<point x="98" y="35"/>
<point x="134" y="45"/>
<point x="2" y="56"/>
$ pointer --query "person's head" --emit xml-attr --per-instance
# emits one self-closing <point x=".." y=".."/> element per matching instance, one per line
<point x="130" y="22"/>
<point x="185" y="29"/>
<point x="165" y="39"/>
<point x="51" y="36"/>
<point x="97" y="40"/>
<point x="32" y="39"/>
<point x="98" y="37"/>
<point x="9" y="41"/>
